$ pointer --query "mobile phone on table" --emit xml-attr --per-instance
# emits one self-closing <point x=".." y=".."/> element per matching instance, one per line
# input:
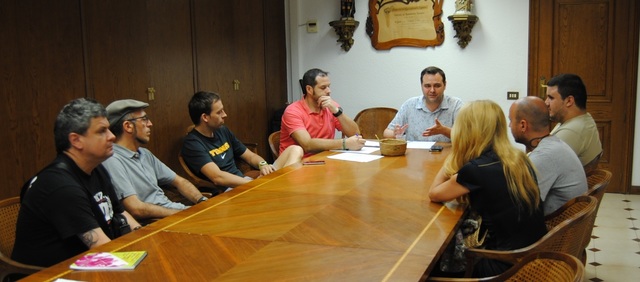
<point x="436" y="148"/>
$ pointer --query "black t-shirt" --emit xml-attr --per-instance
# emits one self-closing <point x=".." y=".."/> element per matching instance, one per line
<point x="56" y="208"/>
<point x="221" y="149"/>
<point x="509" y="227"/>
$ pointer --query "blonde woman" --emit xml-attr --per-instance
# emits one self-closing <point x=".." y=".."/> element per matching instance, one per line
<point x="498" y="179"/>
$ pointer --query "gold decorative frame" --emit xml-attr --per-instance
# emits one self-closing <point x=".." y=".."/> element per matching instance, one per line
<point x="414" y="23"/>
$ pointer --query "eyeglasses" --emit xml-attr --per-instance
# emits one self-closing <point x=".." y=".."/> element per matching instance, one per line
<point x="144" y="118"/>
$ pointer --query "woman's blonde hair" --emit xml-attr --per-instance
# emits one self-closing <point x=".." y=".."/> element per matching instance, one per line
<point x="481" y="125"/>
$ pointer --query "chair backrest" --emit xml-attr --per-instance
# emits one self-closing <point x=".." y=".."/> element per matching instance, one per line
<point x="9" y="209"/>
<point x="572" y="221"/>
<point x="538" y="266"/>
<point x="545" y="266"/>
<point x="566" y="226"/>
<point x="244" y="166"/>
<point x="197" y="181"/>
<point x="373" y="121"/>
<point x="592" y="165"/>
<point x="598" y="182"/>
<point x="274" y="144"/>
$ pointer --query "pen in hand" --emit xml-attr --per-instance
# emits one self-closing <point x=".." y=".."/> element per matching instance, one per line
<point x="359" y="141"/>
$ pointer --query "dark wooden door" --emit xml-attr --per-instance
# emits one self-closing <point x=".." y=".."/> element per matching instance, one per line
<point x="141" y="49"/>
<point x="230" y="55"/>
<point x="598" y="40"/>
<point x="171" y="74"/>
<point x="42" y="69"/>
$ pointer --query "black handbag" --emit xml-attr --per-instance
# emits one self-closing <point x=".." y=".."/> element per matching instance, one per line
<point x="120" y="225"/>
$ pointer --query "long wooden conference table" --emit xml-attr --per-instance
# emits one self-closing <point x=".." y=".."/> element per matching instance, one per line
<point x="341" y="221"/>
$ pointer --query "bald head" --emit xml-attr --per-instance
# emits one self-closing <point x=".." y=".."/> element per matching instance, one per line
<point x="534" y="111"/>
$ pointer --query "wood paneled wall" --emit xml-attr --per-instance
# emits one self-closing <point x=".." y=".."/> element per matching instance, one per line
<point x="55" y="51"/>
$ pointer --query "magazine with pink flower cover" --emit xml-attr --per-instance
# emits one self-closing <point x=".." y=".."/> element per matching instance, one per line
<point x="109" y="260"/>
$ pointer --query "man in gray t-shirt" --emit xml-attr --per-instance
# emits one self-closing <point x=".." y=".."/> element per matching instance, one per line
<point x="428" y="117"/>
<point x="136" y="173"/>
<point x="558" y="170"/>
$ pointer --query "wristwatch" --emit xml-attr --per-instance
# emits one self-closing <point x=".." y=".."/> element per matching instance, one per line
<point x="338" y="113"/>
<point x="262" y="163"/>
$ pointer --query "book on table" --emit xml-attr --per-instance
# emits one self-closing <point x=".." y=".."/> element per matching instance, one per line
<point x="109" y="260"/>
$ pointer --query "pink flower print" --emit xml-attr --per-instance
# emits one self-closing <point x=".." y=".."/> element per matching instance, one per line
<point x="100" y="260"/>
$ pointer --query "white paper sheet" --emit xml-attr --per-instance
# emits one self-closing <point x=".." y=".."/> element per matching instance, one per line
<point x="420" y="144"/>
<point x="362" y="158"/>
<point x="364" y="150"/>
<point x="368" y="143"/>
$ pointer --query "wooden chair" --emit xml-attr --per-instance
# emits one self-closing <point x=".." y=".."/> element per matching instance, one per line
<point x="274" y="144"/>
<point x="566" y="228"/>
<point x="373" y="121"/>
<point x="245" y="167"/>
<point x="540" y="266"/>
<point x="197" y="181"/>
<point x="9" y="209"/>
<point x="592" y="165"/>
<point x="561" y="215"/>
<point x="598" y="181"/>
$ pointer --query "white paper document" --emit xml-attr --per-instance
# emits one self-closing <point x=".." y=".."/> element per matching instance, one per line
<point x="420" y="144"/>
<point x="362" y="158"/>
<point x="364" y="150"/>
<point x="368" y="143"/>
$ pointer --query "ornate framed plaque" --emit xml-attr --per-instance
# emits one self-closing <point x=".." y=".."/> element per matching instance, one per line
<point x="414" y="23"/>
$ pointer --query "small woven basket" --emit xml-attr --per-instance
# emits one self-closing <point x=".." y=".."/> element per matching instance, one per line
<point x="393" y="147"/>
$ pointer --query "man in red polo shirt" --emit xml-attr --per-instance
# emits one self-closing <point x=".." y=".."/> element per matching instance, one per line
<point x="311" y="122"/>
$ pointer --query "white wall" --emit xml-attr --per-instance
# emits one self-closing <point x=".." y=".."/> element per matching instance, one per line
<point x="494" y="62"/>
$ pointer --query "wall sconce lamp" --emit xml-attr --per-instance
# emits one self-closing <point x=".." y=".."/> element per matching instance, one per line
<point x="463" y="21"/>
<point x="346" y="25"/>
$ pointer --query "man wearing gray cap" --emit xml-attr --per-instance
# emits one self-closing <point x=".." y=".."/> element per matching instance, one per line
<point x="136" y="173"/>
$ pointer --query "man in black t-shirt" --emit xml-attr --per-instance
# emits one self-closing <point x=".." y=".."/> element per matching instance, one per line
<point x="210" y="148"/>
<point x="68" y="207"/>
